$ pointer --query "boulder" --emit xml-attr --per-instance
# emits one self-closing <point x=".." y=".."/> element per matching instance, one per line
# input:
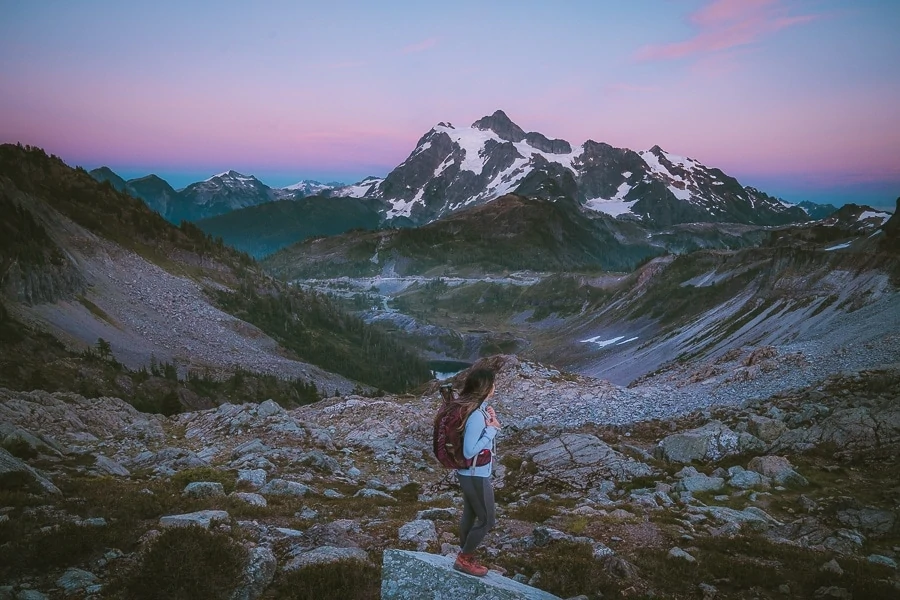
<point x="870" y="520"/>
<point x="282" y="487"/>
<point x="254" y="446"/>
<point x="712" y="441"/>
<point x="269" y="408"/>
<point x="885" y="561"/>
<point x="324" y="554"/>
<point x="779" y="469"/>
<point x="438" y="514"/>
<point x="766" y="429"/>
<point x="409" y="575"/>
<point x="203" y="489"/>
<point x="420" y="532"/>
<point x="253" y="478"/>
<point x="581" y="459"/>
<point x="700" y="483"/>
<point x="107" y="466"/>
<point x="249" y="498"/>
<point x="9" y="464"/>
<point x="752" y="517"/>
<point x="258" y="574"/>
<point x="677" y="553"/>
<point x="201" y="518"/>
<point x="74" y="581"/>
<point x="740" y="478"/>
<point x="371" y="493"/>
<point x="320" y="461"/>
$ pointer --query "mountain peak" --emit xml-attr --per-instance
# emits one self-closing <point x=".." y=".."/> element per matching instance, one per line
<point x="502" y="125"/>
<point x="230" y="174"/>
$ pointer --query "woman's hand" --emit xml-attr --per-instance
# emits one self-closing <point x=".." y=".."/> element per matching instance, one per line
<point x="492" y="421"/>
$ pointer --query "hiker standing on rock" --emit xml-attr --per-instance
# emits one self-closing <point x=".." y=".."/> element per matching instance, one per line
<point x="479" y="427"/>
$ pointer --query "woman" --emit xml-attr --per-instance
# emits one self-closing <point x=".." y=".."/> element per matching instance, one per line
<point x="480" y="427"/>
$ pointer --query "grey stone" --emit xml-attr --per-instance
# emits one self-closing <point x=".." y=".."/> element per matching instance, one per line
<point x="320" y="461"/>
<point x="832" y="566"/>
<point x="869" y="520"/>
<point x="269" y="408"/>
<point x="282" y="487"/>
<point x="203" y="489"/>
<point x="712" y="441"/>
<point x="832" y="591"/>
<point x="370" y="493"/>
<point x="75" y="580"/>
<point x="700" y="483"/>
<point x="878" y="559"/>
<point x="255" y="478"/>
<point x="108" y="466"/>
<point x="258" y="574"/>
<point x="742" y="479"/>
<point x="768" y="430"/>
<point x="330" y="493"/>
<point x="437" y="514"/>
<point x="11" y="464"/>
<point x="353" y="472"/>
<point x="202" y="518"/>
<point x="582" y="459"/>
<point x="779" y="469"/>
<point x="30" y="595"/>
<point x="420" y="532"/>
<point x="709" y="591"/>
<point x="679" y="554"/>
<point x="324" y="554"/>
<point x="419" y="576"/>
<point x="93" y="522"/>
<point x="249" y="498"/>
<point x="254" y="446"/>
<point x="752" y="517"/>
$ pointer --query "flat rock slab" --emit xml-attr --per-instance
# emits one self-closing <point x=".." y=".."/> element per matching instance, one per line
<point x="202" y="518"/>
<point x="407" y="575"/>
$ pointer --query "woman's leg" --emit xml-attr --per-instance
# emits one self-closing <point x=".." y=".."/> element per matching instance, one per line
<point x="468" y="513"/>
<point x="479" y="494"/>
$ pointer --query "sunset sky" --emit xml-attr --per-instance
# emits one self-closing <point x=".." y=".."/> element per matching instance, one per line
<point x="800" y="98"/>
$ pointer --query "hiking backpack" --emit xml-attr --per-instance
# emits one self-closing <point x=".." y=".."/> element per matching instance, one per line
<point x="447" y="439"/>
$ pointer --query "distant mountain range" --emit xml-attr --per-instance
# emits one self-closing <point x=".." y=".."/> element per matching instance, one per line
<point x="451" y="168"/>
<point x="218" y="195"/>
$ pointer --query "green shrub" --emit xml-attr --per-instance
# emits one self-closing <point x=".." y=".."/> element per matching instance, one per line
<point x="347" y="580"/>
<point x="226" y="478"/>
<point x="19" y="448"/>
<point x="185" y="563"/>
<point x="567" y="569"/>
<point x="534" y="512"/>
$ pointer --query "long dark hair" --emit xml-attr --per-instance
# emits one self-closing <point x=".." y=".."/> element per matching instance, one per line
<point x="476" y="388"/>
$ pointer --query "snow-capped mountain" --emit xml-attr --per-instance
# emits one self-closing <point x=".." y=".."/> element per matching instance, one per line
<point x="455" y="167"/>
<point x="219" y="194"/>
<point x="309" y="187"/>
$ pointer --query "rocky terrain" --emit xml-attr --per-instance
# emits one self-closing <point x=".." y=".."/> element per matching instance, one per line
<point x="602" y="491"/>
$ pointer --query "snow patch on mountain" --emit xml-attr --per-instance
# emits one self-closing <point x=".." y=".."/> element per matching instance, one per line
<point x="615" y="206"/>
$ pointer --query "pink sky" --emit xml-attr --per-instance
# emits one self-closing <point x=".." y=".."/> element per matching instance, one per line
<point x="797" y="97"/>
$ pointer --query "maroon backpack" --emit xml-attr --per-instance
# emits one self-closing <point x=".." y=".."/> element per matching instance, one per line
<point x="448" y="434"/>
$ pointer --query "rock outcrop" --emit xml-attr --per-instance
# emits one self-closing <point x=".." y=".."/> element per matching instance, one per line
<point x="409" y="575"/>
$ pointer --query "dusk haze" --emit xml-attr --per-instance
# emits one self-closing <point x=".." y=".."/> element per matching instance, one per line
<point x="798" y="98"/>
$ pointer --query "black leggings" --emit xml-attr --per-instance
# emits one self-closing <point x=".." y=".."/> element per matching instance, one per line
<point x="478" y="502"/>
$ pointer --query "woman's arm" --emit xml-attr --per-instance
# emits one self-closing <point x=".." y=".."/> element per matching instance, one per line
<point x="477" y="436"/>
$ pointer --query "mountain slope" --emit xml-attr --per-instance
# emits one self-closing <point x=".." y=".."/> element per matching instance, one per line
<point x="155" y="191"/>
<point x="451" y="168"/>
<point x="263" y="229"/>
<point x="126" y="275"/>
<point x="510" y="233"/>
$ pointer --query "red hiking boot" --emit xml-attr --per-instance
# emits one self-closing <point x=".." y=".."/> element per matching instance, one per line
<point x="467" y="564"/>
